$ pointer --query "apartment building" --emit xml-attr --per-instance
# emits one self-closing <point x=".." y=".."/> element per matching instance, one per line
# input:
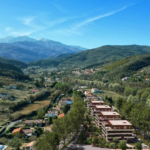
<point x="104" y="116"/>
<point x="98" y="108"/>
<point x="91" y="104"/>
<point x="122" y="129"/>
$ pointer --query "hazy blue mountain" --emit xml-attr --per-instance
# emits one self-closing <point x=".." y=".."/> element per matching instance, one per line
<point x="53" y="57"/>
<point x="27" y="49"/>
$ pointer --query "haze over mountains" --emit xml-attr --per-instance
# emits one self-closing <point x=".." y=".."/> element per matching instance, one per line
<point x="26" y="49"/>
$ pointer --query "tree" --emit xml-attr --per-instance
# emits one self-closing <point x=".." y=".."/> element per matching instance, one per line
<point x="37" y="83"/>
<point x="138" y="146"/>
<point x="50" y="120"/>
<point x="122" y="145"/>
<point x="95" y="140"/>
<point x="41" y="113"/>
<point x="66" y="108"/>
<point x="15" y="142"/>
<point x="39" y="131"/>
<point x="48" y="141"/>
<point x="119" y="103"/>
<point x="116" y="140"/>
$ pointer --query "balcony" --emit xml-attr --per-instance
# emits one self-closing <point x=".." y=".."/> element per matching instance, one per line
<point x="118" y="133"/>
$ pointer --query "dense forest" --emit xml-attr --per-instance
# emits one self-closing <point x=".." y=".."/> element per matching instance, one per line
<point x="97" y="55"/>
<point x="13" y="74"/>
<point x="14" y="62"/>
<point x="10" y="67"/>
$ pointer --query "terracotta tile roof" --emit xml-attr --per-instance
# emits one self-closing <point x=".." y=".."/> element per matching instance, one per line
<point x="27" y="131"/>
<point x="30" y="144"/>
<point x="89" y="95"/>
<point x="87" y="91"/>
<point x="35" y="90"/>
<point x="48" y="128"/>
<point x="61" y="115"/>
<point x="16" y="130"/>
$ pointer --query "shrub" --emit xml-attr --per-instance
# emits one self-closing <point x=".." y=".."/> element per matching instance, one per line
<point x="122" y="145"/>
<point x="107" y="144"/>
<point x="112" y="145"/>
<point x="138" y="146"/>
<point x="3" y="140"/>
<point x="95" y="140"/>
<point x="115" y="140"/>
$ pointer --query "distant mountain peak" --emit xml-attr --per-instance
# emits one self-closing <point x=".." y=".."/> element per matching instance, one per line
<point x="43" y="39"/>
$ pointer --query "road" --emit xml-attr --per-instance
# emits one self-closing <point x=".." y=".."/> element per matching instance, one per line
<point x="13" y="124"/>
<point x="87" y="147"/>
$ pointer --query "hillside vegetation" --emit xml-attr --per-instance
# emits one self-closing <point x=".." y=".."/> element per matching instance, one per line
<point x="9" y="67"/>
<point x="98" y="55"/>
<point x="127" y="67"/>
<point x="14" y="62"/>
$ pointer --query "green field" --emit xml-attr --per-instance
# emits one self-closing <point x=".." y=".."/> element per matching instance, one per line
<point x="105" y="93"/>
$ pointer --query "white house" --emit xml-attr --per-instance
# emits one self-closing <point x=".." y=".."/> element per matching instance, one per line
<point x="94" y="90"/>
<point x="125" y="78"/>
<point x="52" y="113"/>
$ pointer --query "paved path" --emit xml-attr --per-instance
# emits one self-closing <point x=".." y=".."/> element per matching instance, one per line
<point x="87" y="147"/>
<point x="13" y="124"/>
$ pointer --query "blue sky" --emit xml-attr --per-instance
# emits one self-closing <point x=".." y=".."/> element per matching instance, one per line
<point x="87" y="23"/>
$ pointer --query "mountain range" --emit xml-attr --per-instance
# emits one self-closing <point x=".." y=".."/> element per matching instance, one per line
<point x="99" y="56"/>
<point x="26" y="49"/>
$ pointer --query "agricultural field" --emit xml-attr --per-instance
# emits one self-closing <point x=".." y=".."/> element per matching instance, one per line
<point x="34" y="106"/>
<point x="105" y="93"/>
<point x="6" y="80"/>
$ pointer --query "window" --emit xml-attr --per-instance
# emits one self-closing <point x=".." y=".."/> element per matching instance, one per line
<point x="125" y="127"/>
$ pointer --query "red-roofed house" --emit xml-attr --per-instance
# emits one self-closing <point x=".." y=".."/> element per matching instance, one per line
<point x="147" y="79"/>
<point x="87" y="92"/>
<point x="19" y="132"/>
<point x="61" y="115"/>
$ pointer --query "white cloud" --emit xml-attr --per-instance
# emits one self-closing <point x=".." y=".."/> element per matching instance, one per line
<point x="99" y="17"/>
<point x="8" y="29"/>
<point x="27" y="20"/>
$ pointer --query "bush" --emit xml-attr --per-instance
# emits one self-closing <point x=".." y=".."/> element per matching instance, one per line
<point x="115" y="140"/>
<point x="107" y="144"/>
<point x="3" y="140"/>
<point x="112" y="145"/>
<point x="138" y="146"/>
<point x="122" y="145"/>
<point x="95" y="140"/>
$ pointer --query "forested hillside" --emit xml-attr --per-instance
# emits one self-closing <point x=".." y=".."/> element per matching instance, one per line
<point x="127" y="67"/>
<point x="99" y="55"/>
<point x="14" y="62"/>
<point x="9" y="67"/>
